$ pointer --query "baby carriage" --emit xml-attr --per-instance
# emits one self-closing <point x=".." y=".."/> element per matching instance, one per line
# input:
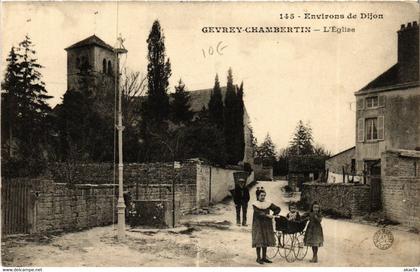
<point x="289" y="239"/>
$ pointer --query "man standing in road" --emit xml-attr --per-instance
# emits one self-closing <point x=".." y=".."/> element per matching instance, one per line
<point x="241" y="198"/>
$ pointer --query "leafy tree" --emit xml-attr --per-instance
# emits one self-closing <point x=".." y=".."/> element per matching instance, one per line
<point x="156" y="107"/>
<point x="82" y="125"/>
<point x="24" y="109"/>
<point x="203" y="139"/>
<point x="320" y="150"/>
<point x="180" y="105"/>
<point x="266" y="152"/>
<point x="302" y="142"/>
<point x="216" y="108"/>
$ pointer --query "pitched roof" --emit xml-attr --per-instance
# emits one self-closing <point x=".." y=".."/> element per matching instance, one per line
<point x="200" y="98"/>
<point x="92" y="40"/>
<point x="387" y="78"/>
<point x="341" y="152"/>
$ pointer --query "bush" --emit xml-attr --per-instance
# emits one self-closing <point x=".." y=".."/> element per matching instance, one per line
<point x="30" y="167"/>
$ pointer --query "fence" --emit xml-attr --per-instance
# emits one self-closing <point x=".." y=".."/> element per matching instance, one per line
<point x="17" y="202"/>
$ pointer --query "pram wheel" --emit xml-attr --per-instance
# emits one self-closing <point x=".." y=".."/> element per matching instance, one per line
<point x="300" y="250"/>
<point x="272" y="251"/>
<point x="288" y="248"/>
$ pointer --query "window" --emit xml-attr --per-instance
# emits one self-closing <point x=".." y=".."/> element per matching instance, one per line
<point x="109" y="67"/>
<point x="371" y="129"/>
<point x="372" y="102"/>
<point x="104" y="66"/>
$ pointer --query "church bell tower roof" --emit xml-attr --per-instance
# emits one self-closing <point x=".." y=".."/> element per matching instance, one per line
<point x="92" y="40"/>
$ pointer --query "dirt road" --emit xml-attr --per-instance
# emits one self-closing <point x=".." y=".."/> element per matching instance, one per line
<point x="209" y="240"/>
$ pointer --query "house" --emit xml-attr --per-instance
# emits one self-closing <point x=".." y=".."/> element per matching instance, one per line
<point x="388" y="108"/>
<point x="387" y="150"/>
<point x="341" y="167"/>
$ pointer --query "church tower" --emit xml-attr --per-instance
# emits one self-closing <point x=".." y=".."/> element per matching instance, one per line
<point x="92" y="58"/>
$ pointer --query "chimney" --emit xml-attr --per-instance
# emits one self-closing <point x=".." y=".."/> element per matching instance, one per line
<point x="408" y="53"/>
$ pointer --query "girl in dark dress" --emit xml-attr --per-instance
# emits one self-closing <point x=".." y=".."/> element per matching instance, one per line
<point x="314" y="236"/>
<point x="262" y="226"/>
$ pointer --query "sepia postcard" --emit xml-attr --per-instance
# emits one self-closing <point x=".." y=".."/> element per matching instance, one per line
<point x="210" y="134"/>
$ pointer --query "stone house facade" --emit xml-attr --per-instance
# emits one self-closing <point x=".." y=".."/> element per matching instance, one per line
<point x="388" y="106"/>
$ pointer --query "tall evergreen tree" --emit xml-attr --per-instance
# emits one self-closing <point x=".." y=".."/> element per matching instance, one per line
<point x="24" y="104"/>
<point x="216" y="109"/>
<point x="267" y="151"/>
<point x="8" y="101"/>
<point x="180" y="105"/>
<point x="240" y="135"/>
<point x="156" y="107"/>
<point x="230" y="120"/>
<point x="302" y="142"/>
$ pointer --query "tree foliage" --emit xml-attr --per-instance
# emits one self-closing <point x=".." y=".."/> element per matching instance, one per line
<point x="233" y="121"/>
<point x="216" y="107"/>
<point x="156" y="107"/>
<point x="180" y="105"/>
<point x="24" y="110"/>
<point x="302" y="141"/>
<point x="82" y="126"/>
<point x="266" y="152"/>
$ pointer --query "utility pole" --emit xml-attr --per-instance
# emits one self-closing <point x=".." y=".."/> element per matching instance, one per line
<point x="121" y="205"/>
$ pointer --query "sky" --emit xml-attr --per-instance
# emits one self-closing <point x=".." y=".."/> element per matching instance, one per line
<point x="287" y="76"/>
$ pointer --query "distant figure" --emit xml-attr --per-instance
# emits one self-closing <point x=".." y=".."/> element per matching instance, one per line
<point x="127" y="201"/>
<point x="241" y="198"/>
<point x="257" y="192"/>
<point x="293" y="214"/>
<point x="262" y="226"/>
<point x="314" y="236"/>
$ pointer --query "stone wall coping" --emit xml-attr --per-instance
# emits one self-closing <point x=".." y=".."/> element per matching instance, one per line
<point x="404" y="152"/>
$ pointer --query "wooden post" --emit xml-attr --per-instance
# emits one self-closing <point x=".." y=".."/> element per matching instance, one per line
<point x="210" y="185"/>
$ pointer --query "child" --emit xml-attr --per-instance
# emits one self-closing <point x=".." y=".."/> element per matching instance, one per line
<point x="314" y="236"/>
<point x="293" y="214"/>
<point x="262" y="226"/>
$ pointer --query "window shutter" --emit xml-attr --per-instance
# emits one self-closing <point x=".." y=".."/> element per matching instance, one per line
<point x="381" y="99"/>
<point x="380" y="127"/>
<point x="360" y="103"/>
<point x="360" y="130"/>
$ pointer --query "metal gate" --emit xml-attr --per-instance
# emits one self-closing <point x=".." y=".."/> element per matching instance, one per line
<point x="17" y="207"/>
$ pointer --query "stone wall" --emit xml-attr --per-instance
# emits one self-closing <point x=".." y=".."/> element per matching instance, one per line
<point x="185" y="194"/>
<point x="221" y="182"/>
<point x="342" y="199"/>
<point x="70" y="206"/>
<point x="143" y="173"/>
<point x="263" y="172"/>
<point x="401" y="186"/>
<point x="60" y="207"/>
